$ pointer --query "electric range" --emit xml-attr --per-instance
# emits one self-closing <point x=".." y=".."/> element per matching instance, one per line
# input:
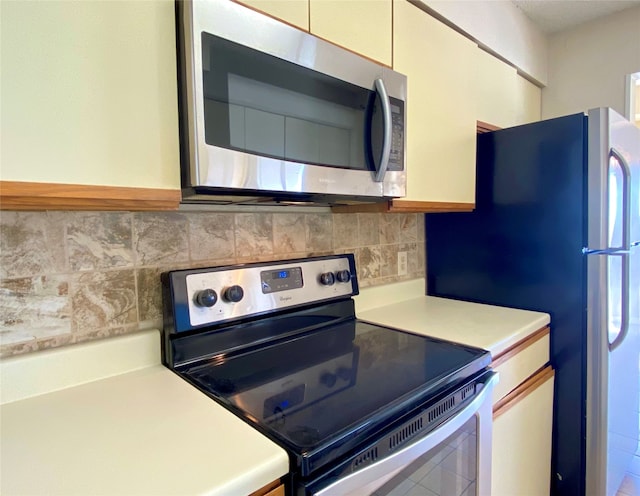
<point x="278" y="343"/>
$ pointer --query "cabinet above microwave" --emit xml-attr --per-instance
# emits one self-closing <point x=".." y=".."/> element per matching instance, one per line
<point x="269" y="112"/>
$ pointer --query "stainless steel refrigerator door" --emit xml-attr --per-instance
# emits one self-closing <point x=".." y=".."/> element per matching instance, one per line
<point x="613" y="292"/>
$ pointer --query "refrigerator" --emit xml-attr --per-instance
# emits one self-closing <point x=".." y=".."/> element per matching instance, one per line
<point x="556" y="229"/>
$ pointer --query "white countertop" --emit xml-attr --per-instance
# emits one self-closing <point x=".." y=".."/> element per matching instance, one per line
<point x="484" y="326"/>
<point x="143" y="432"/>
<point x="105" y="417"/>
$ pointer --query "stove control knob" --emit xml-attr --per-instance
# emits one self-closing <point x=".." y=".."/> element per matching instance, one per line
<point x="205" y="298"/>
<point x="328" y="379"/>
<point x="233" y="294"/>
<point x="327" y="279"/>
<point x="343" y="276"/>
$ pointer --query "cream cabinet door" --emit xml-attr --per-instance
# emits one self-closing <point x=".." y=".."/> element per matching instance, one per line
<point x="89" y="93"/>
<point x="528" y="101"/>
<point x="504" y="97"/>
<point x="495" y="86"/>
<point x="294" y="12"/>
<point x="363" y="26"/>
<point x="521" y="461"/>
<point x="441" y="110"/>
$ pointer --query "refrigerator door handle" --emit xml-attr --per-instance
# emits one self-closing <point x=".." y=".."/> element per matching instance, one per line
<point x="626" y="211"/>
<point x="623" y="251"/>
<point x="624" y="303"/>
<point x="626" y="198"/>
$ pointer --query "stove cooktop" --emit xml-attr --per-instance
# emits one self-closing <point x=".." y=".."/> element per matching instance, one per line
<point x="322" y="392"/>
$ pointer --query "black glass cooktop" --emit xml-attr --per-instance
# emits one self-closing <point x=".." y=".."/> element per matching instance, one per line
<point x="320" y="392"/>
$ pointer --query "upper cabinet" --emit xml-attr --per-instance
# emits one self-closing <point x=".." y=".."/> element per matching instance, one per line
<point x="295" y="12"/>
<point x="90" y="99"/>
<point x="495" y="86"/>
<point x="528" y="101"/>
<point x="441" y="111"/>
<point x="504" y="98"/>
<point x="89" y="104"/>
<point x="363" y="26"/>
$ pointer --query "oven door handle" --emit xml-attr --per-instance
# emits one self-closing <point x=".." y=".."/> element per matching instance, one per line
<point x="387" y="468"/>
<point x="388" y="126"/>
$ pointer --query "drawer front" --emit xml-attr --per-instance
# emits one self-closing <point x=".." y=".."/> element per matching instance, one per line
<point x="273" y="489"/>
<point x="520" y="362"/>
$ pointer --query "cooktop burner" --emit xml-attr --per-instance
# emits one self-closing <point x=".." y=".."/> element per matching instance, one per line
<point x="303" y="435"/>
<point x="290" y="357"/>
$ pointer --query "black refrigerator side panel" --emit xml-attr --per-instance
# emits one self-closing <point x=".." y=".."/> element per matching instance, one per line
<point x="521" y="248"/>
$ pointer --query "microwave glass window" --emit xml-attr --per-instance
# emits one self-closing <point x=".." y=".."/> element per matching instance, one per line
<point x="266" y="106"/>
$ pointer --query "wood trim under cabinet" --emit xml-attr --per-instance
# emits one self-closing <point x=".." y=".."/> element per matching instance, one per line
<point x="409" y="206"/>
<point x="523" y="390"/>
<point x="485" y="127"/>
<point x="16" y="195"/>
<point x="522" y="345"/>
<point x="405" y="206"/>
<point x="275" y="488"/>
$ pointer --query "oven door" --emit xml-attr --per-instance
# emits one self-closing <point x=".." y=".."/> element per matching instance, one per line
<point x="271" y="108"/>
<point x="452" y="460"/>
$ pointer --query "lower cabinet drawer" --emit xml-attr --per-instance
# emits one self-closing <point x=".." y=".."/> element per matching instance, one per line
<point x="519" y="362"/>
<point x="522" y="422"/>
<point x="278" y="491"/>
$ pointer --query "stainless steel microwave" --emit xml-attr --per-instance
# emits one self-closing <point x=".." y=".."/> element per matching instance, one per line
<point x="271" y="113"/>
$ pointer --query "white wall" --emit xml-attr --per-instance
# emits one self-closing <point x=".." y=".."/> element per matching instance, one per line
<point x="500" y="27"/>
<point x="588" y="64"/>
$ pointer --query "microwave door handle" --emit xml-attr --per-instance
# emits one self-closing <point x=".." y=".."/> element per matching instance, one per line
<point x="388" y="124"/>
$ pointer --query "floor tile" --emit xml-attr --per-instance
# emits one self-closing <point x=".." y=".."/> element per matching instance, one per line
<point x="470" y="491"/>
<point x="630" y="485"/>
<point x="462" y="464"/>
<point x="418" y="490"/>
<point x="445" y="483"/>
<point x="432" y="462"/>
<point x="402" y="488"/>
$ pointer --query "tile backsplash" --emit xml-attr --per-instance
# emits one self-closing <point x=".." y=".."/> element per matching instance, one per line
<point x="68" y="277"/>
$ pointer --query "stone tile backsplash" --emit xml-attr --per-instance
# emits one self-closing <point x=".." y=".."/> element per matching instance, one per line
<point x="67" y="277"/>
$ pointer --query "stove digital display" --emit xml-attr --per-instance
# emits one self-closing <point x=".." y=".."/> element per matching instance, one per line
<point x="273" y="281"/>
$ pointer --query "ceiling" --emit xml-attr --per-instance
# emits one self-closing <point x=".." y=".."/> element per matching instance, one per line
<point x="552" y="16"/>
